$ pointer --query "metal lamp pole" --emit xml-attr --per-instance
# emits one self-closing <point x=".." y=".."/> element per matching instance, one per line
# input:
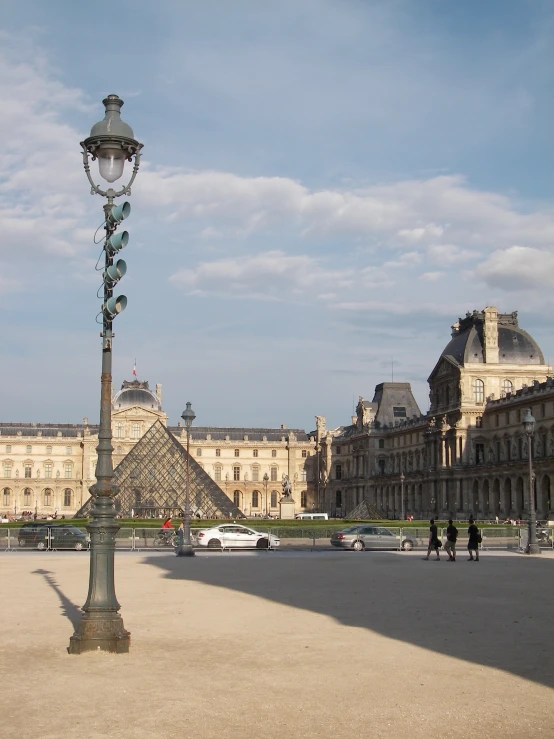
<point x="112" y="143"/>
<point x="532" y="544"/>
<point x="188" y="417"/>
<point x="266" y="480"/>
<point x="403" y="512"/>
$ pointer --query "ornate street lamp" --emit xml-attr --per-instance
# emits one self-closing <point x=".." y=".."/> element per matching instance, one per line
<point x="266" y="480"/>
<point x="188" y="417"/>
<point x="532" y="544"/>
<point x="112" y="143"/>
<point x="403" y="512"/>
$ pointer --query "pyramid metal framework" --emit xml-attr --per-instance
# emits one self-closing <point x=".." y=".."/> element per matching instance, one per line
<point x="365" y="511"/>
<point x="152" y="481"/>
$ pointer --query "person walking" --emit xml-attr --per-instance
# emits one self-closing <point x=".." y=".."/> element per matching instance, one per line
<point x="451" y="538"/>
<point x="434" y="541"/>
<point x="473" y="541"/>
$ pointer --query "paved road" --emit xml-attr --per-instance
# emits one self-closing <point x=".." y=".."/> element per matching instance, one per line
<point x="285" y="644"/>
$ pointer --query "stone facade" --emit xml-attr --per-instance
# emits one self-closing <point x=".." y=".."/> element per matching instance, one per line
<point x="468" y="454"/>
<point x="48" y="468"/>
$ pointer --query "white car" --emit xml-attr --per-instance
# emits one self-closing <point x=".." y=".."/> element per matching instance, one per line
<point x="235" y="536"/>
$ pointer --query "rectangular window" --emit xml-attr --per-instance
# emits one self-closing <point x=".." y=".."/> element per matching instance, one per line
<point x="218" y="474"/>
<point x="48" y="469"/>
<point x="255" y="453"/>
<point x="119" y="431"/>
<point x="255" y="474"/>
<point x="303" y="475"/>
<point x="27" y="470"/>
<point x="304" y="453"/>
<point x="6" y="497"/>
<point x="67" y="469"/>
<point x="508" y="450"/>
<point x="9" y="449"/>
<point x="236" y="473"/>
<point x="237" y="452"/>
<point x="218" y="452"/>
<point x="480" y="453"/>
<point x="7" y="470"/>
<point x="274" y="499"/>
<point x="68" y="450"/>
<point x="135" y="430"/>
<point x="199" y="452"/>
<point x="338" y="450"/>
<point x="28" y="449"/>
<point x="274" y="452"/>
<point x="338" y="472"/>
<point x="399" y="411"/>
<point x="273" y="475"/>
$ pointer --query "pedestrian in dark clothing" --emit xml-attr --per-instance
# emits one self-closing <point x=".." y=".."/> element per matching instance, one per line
<point x="451" y="538"/>
<point x="473" y="541"/>
<point x="434" y="541"/>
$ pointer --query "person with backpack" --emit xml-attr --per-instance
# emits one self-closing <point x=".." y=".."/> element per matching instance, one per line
<point x="473" y="541"/>
<point x="434" y="541"/>
<point x="451" y="538"/>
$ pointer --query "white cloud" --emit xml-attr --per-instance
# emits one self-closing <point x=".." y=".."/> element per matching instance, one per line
<point x="518" y="268"/>
<point x="268" y="274"/>
<point x="447" y="254"/>
<point x="432" y="276"/>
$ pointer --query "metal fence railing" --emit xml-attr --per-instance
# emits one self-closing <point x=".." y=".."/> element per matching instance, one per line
<point x="495" y="537"/>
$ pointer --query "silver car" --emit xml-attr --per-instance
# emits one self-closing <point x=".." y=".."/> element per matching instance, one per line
<point x="364" y="536"/>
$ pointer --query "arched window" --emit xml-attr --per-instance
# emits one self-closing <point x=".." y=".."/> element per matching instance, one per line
<point x="27" y="493"/>
<point x="236" y="498"/>
<point x="48" y="496"/>
<point x="507" y="386"/>
<point x="274" y="499"/>
<point x="478" y="390"/>
<point x="255" y="499"/>
<point x="303" y="498"/>
<point x="6" y="497"/>
<point x="67" y="497"/>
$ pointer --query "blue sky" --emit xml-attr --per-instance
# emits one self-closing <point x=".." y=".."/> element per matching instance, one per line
<point x="326" y="185"/>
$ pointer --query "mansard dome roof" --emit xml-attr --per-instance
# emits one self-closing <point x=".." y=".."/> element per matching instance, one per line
<point x="515" y="346"/>
<point x="135" y="392"/>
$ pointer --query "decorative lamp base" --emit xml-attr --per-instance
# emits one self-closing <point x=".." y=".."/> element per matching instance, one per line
<point x="185" y="550"/>
<point x="104" y="633"/>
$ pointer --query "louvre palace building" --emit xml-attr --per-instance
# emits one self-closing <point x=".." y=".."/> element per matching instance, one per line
<point x="467" y="455"/>
<point x="48" y="468"/>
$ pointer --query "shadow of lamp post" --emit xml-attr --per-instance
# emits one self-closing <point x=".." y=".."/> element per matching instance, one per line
<point x="112" y="143"/>
<point x="532" y="547"/>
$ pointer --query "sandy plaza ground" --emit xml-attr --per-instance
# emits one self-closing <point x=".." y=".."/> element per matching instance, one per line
<point x="283" y="644"/>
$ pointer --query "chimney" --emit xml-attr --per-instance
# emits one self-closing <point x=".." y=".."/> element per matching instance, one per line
<point x="159" y="393"/>
<point x="490" y="335"/>
<point x="283" y="425"/>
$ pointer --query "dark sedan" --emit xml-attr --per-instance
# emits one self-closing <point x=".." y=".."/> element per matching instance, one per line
<point x="48" y="536"/>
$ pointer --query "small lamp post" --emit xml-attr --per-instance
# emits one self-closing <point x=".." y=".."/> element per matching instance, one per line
<point x="403" y="512"/>
<point x="188" y="417"/>
<point x="266" y="480"/>
<point x="112" y="143"/>
<point x="532" y="544"/>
